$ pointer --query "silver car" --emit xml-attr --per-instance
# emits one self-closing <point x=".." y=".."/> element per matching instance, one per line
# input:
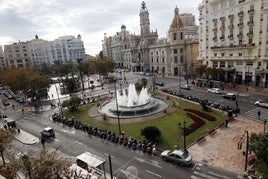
<point x="214" y="90"/>
<point x="262" y="103"/>
<point x="177" y="156"/>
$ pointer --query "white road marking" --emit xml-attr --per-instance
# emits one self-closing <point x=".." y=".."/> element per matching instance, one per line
<point x="108" y="155"/>
<point x="159" y="176"/>
<point x="78" y="142"/>
<point x="204" y="175"/>
<point x="66" y="131"/>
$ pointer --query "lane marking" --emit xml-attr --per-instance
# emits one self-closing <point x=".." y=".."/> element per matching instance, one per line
<point x="204" y="175"/>
<point x="78" y="142"/>
<point x="108" y="155"/>
<point x="159" y="176"/>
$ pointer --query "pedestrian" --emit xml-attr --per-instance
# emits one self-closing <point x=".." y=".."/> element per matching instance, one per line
<point x="226" y="123"/>
<point x="22" y="110"/>
<point x="5" y="126"/>
<point x="18" y="130"/>
<point x="43" y="140"/>
<point x="13" y="106"/>
<point x="154" y="150"/>
<point x="259" y="115"/>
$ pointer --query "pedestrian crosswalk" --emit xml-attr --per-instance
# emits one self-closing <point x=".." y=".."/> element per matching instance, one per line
<point x="253" y="114"/>
<point x="204" y="172"/>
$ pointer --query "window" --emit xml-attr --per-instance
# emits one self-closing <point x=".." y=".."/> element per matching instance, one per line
<point x="215" y="64"/>
<point x="215" y="7"/>
<point x="163" y="60"/>
<point x="175" y="51"/>
<point x="222" y="63"/>
<point x="222" y="54"/>
<point x="240" y="54"/>
<point x="181" y="35"/>
<point x="223" y="4"/>
<point x="215" y="54"/>
<point x="231" y="54"/>
<point x="182" y="59"/>
<point x="230" y="64"/>
<point x="174" y="36"/>
<point x="239" y="63"/>
<point x="175" y="59"/>
<point x="232" y="2"/>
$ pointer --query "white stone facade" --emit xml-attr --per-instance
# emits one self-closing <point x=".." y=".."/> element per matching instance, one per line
<point x="38" y="51"/>
<point x="233" y="35"/>
<point x="148" y="53"/>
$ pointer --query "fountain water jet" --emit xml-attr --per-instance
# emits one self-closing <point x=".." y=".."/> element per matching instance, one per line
<point x="131" y="104"/>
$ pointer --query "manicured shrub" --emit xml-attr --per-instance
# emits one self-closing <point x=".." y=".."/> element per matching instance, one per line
<point x="151" y="133"/>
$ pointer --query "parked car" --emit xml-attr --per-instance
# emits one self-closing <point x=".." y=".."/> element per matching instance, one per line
<point x="177" y="156"/>
<point x="262" y="103"/>
<point x="229" y="96"/>
<point x="159" y="83"/>
<point x="20" y="100"/>
<point x="48" y="132"/>
<point x="148" y="74"/>
<point x="214" y="90"/>
<point x="186" y="87"/>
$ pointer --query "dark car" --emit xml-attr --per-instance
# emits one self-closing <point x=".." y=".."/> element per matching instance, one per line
<point x="229" y="96"/>
<point x="159" y="83"/>
<point x="48" y="132"/>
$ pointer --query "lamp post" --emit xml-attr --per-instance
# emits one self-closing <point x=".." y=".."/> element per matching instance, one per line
<point x="184" y="136"/>
<point x="116" y="102"/>
<point x="59" y="99"/>
<point x="264" y="124"/>
<point x="247" y="147"/>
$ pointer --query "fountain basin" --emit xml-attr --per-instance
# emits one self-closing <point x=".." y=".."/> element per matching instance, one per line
<point x="154" y="105"/>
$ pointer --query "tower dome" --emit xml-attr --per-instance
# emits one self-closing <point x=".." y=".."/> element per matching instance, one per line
<point x="123" y="27"/>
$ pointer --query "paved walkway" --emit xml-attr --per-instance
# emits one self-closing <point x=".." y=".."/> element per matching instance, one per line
<point x="220" y="149"/>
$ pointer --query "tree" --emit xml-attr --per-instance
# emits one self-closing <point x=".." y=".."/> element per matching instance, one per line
<point x="151" y="133"/>
<point x="5" y="140"/>
<point x="46" y="164"/>
<point x="25" y="80"/>
<point x="72" y="104"/>
<point x="259" y="143"/>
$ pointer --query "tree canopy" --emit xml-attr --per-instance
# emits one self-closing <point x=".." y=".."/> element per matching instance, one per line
<point x="24" y="80"/>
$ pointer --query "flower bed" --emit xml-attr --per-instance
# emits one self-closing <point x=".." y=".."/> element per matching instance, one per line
<point x="198" y="122"/>
<point x="202" y="114"/>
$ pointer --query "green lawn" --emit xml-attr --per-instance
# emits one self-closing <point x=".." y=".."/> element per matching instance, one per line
<point x="168" y="124"/>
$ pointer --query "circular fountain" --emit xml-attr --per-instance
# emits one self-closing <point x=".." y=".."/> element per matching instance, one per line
<point x="128" y="103"/>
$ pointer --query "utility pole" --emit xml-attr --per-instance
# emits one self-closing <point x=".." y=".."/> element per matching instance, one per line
<point x="184" y="136"/>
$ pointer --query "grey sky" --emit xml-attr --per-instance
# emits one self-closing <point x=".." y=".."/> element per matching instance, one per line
<point x="22" y="19"/>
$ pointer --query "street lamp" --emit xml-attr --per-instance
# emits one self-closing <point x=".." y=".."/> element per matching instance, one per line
<point x="184" y="136"/>
<point x="247" y="147"/>
<point x="59" y="98"/>
<point x="116" y="102"/>
<point x="264" y="124"/>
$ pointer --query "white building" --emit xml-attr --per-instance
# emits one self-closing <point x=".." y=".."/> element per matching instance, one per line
<point x="38" y="51"/>
<point x="233" y="35"/>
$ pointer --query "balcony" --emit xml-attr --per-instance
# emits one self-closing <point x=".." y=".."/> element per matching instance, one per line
<point x="250" y="23"/>
<point x="250" y="34"/>
<point x="231" y="26"/>
<point x="222" y="28"/>
<point x="240" y="24"/>
<point x="240" y="1"/>
<point x="231" y="16"/>
<point x="222" y="37"/>
<point x="251" y="11"/>
<point x="240" y="14"/>
<point x="222" y="18"/>
<point x="240" y="36"/>
<point x="230" y="37"/>
<point x="214" y="38"/>
<point x="214" y="20"/>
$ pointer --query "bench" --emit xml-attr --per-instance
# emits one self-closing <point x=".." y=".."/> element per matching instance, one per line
<point x="200" y="140"/>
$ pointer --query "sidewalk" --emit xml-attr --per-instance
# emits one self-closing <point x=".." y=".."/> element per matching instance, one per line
<point x="25" y="137"/>
<point x="220" y="149"/>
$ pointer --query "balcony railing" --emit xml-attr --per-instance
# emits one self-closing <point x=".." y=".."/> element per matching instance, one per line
<point x="250" y="23"/>
<point x="240" y="36"/>
<point x="230" y="36"/>
<point x="250" y="34"/>
<point x="222" y="37"/>
<point x="240" y="24"/>
<point x="222" y="18"/>
<point x="231" y="16"/>
<point x="251" y="11"/>
<point x="241" y="13"/>
<point x="231" y="26"/>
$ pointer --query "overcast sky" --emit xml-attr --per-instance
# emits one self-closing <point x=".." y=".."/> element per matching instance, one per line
<point x="49" y="19"/>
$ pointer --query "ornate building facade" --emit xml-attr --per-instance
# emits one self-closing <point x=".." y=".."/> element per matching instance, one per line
<point x="233" y="35"/>
<point x="148" y="53"/>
